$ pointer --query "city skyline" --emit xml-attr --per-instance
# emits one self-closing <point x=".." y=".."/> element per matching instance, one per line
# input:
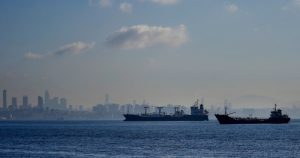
<point x="38" y="102"/>
<point x="43" y="100"/>
<point x="57" y="108"/>
<point x="165" y="52"/>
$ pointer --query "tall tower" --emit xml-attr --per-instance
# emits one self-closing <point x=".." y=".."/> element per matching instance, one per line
<point x="40" y="102"/>
<point x="14" y="103"/>
<point x="4" y="99"/>
<point x="47" y="97"/>
<point x="25" y="101"/>
<point x="106" y="99"/>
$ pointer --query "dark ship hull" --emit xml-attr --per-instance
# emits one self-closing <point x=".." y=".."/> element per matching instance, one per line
<point x="132" y="117"/>
<point x="225" y="119"/>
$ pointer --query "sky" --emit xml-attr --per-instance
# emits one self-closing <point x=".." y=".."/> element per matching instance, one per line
<point x="161" y="51"/>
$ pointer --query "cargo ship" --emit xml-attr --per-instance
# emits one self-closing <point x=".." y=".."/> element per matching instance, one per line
<point x="198" y="113"/>
<point x="276" y="117"/>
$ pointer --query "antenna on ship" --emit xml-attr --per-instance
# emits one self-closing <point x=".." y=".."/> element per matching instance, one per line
<point x="197" y="102"/>
<point x="202" y="101"/>
<point x="275" y="107"/>
<point x="225" y="106"/>
<point x="127" y="109"/>
<point x="146" y="108"/>
<point x="176" y="108"/>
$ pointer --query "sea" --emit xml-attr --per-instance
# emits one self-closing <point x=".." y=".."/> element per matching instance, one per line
<point x="89" y="139"/>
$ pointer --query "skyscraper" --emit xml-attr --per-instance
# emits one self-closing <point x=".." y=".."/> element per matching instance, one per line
<point x="14" y="103"/>
<point x="25" y="101"/>
<point x="4" y="99"/>
<point x="40" y="102"/>
<point x="47" y="97"/>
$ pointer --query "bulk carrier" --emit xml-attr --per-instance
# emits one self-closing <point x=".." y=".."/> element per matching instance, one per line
<point x="198" y="113"/>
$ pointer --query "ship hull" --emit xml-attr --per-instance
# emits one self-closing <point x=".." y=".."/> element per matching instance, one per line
<point x="225" y="119"/>
<point x="131" y="117"/>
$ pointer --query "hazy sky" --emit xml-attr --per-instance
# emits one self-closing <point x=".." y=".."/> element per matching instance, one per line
<point x="163" y="51"/>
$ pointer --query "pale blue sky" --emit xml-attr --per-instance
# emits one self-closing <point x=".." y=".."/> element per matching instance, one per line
<point x="243" y="51"/>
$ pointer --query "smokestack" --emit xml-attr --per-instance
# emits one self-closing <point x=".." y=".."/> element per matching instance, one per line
<point x="4" y="99"/>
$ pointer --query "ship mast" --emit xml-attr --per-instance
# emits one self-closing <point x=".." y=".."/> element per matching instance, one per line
<point x="176" y="108"/>
<point x="128" y="109"/>
<point x="146" y="108"/>
<point x="197" y="102"/>
<point x="159" y="109"/>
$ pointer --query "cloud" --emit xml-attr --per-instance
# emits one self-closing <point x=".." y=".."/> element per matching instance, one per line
<point x="142" y="36"/>
<point x="291" y="5"/>
<point x="126" y="7"/>
<point x="105" y="3"/>
<point x="72" y="48"/>
<point x="231" y="8"/>
<point x="165" y="2"/>
<point x="33" y="56"/>
<point x="285" y="8"/>
<point x="296" y="3"/>
<point x="101" y="3"/>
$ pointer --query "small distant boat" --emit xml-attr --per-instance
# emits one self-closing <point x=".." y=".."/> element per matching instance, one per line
<point x="198" y="113"/>
<point x="276" y="117"/>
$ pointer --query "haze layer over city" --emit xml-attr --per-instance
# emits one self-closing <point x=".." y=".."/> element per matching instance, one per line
<point x="161" y="51"/>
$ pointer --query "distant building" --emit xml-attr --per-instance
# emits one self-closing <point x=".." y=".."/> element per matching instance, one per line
<point x="40" y="102"/>
<point x="14" y="103"/>
<point x="54" y="103"/>
<point x="4" y="99"/>
<point x="63" y="102"/>
<point x="25" y="101"/>
<point x="70" y="107"/>
<point x="80" y="107"/>
<point x="47" y="97"/>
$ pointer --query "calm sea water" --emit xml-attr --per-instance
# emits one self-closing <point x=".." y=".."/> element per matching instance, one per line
<point x="147" y="139"/>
